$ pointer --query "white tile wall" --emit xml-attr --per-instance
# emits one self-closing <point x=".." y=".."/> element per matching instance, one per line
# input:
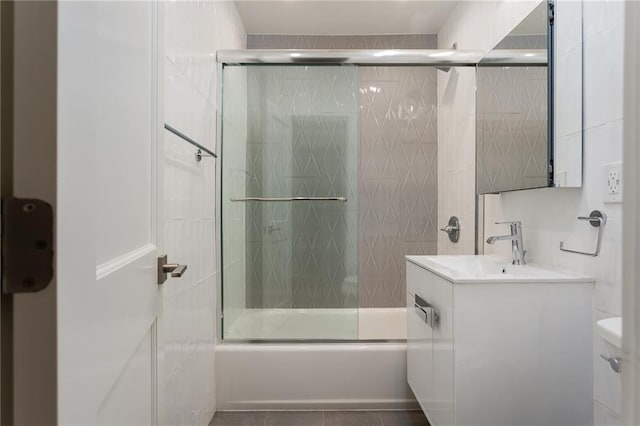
<point x="549" y="215"/>
<point x="472" y="25"/>
<point x="603" y="76"/>
<point x="568" y="68"/>
<point x="194" y="31"/>
<point x="456" y="157"/>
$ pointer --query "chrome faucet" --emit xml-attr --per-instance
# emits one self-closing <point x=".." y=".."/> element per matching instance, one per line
<point x="517" y="246"/>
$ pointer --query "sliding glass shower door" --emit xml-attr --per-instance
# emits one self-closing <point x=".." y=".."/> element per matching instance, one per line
<point x="289" y="202"/>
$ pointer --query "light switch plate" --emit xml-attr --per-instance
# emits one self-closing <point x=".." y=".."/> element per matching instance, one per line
<point x="613" y="183"/>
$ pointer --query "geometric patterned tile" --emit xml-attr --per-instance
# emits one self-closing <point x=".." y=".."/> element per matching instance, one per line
<point x="329" y="255"/>
<point x="302" y="141"/>
<point x="398" y="177"/>
<point x="512" y="123"/>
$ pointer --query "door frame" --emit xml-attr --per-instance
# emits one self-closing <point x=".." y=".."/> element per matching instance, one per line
<point x="29" y="96"/>
<point x="631" y="216"/>
<point x="159" y="136"/>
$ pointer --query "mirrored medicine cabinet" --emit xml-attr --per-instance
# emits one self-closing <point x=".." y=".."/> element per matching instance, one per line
<point x="529" y="104"/>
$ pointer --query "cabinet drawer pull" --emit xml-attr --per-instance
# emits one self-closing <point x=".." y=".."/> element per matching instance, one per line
<point x="419" y="301"/>
<point x="423" y="314"/>
<point x="426" y="311"/>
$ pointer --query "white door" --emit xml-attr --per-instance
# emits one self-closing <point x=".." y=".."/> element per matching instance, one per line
<point x="108" y="223"/>
<point x="82" y="120"/>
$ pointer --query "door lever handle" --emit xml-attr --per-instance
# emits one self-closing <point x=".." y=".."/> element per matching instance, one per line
<point x="175" y="269"/>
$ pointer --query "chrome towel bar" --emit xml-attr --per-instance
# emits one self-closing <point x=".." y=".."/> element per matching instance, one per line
<point x="202" y="151"/>
<point x="597" y="219"/>
<point x="279" y="199"/>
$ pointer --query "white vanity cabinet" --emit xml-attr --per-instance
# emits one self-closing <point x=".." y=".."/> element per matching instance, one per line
<point x="494" y="344"/>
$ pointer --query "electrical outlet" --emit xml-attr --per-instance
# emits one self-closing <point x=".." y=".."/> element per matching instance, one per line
<point x="613" y="183"/>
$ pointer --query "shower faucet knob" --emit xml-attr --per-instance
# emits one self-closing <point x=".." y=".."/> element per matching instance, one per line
<point x="452" y="229"/>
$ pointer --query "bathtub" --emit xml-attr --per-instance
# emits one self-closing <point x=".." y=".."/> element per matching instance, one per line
<point x="319" y="324"/>
<point x="365" y="373"/>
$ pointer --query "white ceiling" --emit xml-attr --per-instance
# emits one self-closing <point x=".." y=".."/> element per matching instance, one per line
<point x="348" y="17"/>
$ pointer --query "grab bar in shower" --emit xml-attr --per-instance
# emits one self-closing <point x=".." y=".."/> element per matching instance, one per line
<point x="202" y="151"/>
<point x="277" y="199"/>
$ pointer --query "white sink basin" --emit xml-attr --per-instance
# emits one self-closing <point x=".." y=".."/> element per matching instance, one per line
<point x="610" y="329"/>
<point x="494" y="269"/>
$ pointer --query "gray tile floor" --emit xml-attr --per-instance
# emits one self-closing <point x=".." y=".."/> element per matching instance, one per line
<point x="319" y="418"/>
